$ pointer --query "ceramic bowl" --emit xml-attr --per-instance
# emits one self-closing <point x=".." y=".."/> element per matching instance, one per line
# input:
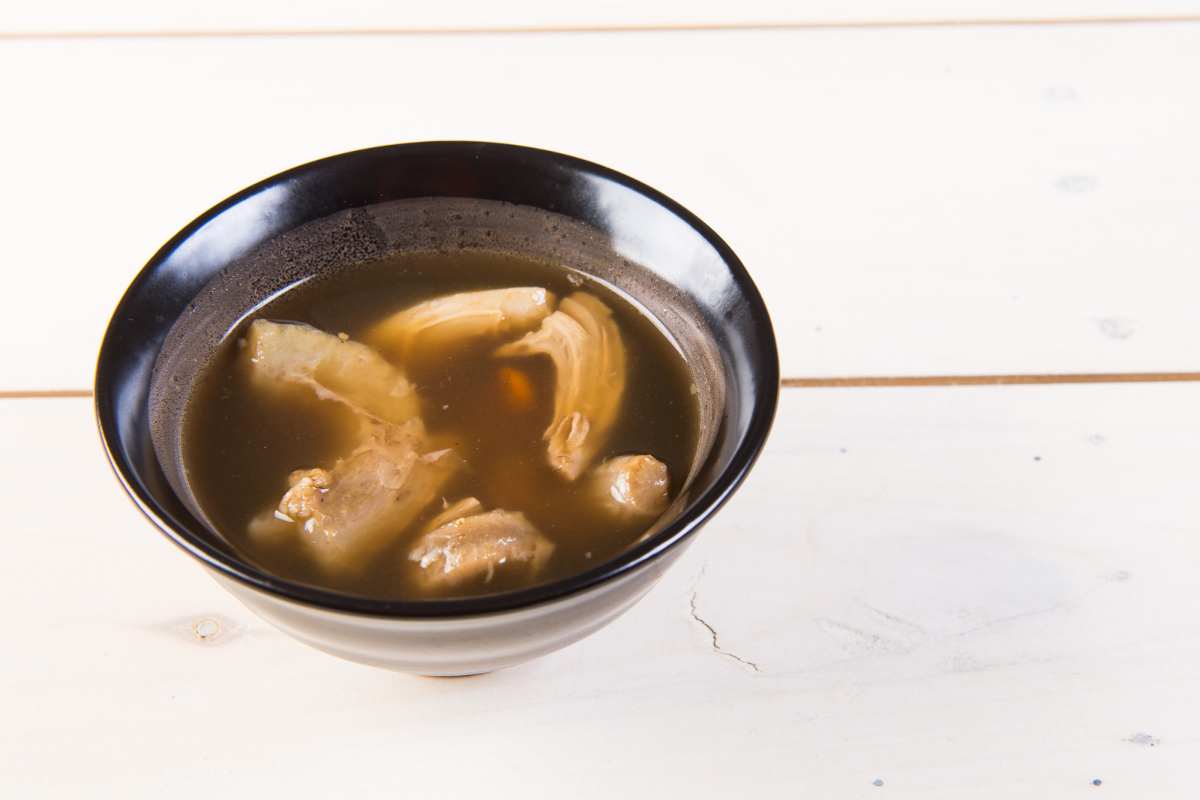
<point x="356" y="207"/>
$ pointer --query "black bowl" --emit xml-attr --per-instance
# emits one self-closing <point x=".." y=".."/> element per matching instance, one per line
<point x="649" y="229"/>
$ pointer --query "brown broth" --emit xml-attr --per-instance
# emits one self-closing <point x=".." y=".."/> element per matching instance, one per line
<point x="240" y="445"/>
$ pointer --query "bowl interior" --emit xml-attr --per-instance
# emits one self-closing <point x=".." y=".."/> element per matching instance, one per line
<point x="315" y="221"/>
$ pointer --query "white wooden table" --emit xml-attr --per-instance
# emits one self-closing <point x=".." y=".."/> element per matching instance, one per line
<point x="922" y="591"/>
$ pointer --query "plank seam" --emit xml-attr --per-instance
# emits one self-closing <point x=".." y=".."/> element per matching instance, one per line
<point x="864" y="382"/>
<point x="990" y="380"/>
<point x="700" y="27"/>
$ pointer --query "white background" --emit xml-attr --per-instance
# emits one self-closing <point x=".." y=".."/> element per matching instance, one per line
<point x="955" y="592"/>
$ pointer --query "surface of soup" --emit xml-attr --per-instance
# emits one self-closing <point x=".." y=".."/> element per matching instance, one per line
<point x="440" y="452"/>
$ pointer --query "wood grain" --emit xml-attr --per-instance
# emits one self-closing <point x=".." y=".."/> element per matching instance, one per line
<point x="627" y="28"/>
<point x="971" y="593"/>
<point x="315" y="17"/>
<point x="914" y="202"/>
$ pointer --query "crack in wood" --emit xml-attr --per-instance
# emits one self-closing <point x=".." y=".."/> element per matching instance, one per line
<point x="712" y="632"/>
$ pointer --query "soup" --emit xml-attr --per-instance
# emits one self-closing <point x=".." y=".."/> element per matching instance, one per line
<point x="436" y="425"/>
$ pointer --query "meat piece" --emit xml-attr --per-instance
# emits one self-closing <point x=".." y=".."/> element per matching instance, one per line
<point x="347" y="514"/>
<point x="585" y="345"/>
<point x="432" y="327"/>
<point x="462" y="508"/>
<point x="336" y="369"/>
<point x="631" y="487"/>
<point x="476" y="545"/>
<point x="302" y="500"/>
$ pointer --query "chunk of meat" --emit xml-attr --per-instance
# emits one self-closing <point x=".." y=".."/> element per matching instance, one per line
<point x="585" y="345"/>
<point x="631" y="487"/>
<point x="347" y="514"/>
<point x="336" y="369"/>
<point x="303" y="499"/>
<point x="434" y="326"/>
<point x="478" y="544"/>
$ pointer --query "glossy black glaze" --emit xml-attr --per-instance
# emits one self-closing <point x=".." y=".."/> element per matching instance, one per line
<point x="646" y="227"/>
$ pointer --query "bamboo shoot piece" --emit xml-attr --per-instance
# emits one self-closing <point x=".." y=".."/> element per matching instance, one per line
<point x="345" y="371"/>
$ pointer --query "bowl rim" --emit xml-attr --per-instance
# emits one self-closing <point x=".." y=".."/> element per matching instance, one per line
<point x="694" y="515"/>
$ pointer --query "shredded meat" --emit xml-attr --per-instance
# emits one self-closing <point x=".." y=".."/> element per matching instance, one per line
<point x="585" y="345"/>
<point x="434" y="326"/>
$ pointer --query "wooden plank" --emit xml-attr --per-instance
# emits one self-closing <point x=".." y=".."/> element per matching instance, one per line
<point x="911" y="202"/>
<point x="983" y="592"/>
<point x="124" y="16"/>
<point x="870" y="381"/>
